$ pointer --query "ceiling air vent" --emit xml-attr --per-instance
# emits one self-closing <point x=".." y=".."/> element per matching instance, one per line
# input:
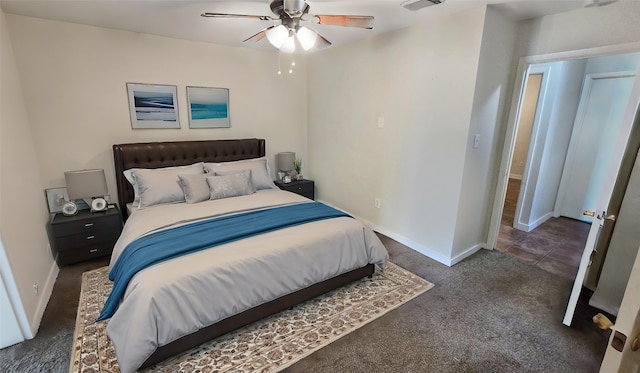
<point x="414" y="5"/>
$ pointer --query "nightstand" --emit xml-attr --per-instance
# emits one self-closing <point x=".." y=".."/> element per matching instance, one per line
<point x="84" y="236"/>
<point x="302" y="187"/>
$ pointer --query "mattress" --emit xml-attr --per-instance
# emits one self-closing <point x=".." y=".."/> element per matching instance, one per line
<point x="178" y="297"/>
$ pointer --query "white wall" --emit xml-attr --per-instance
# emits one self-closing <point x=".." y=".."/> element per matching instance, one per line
<point x="421" y="80"/>
<point x="490" y="103"/>
<point x="23" y="211"/>
<point x="556" y="143"/>
<point x="74" y="79"/>
<point x="583" y="28"/>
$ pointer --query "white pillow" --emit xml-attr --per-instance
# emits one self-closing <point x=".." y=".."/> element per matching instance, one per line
<point x="161" y="185"/>
<point x="260" y="174"/>
<point x="232" y="185"/>
<point x="128" y="174"/>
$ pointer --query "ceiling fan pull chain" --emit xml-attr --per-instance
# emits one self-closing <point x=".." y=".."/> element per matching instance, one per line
<point x="279" y="70"/>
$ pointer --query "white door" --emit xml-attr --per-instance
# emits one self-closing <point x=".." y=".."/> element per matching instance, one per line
<point x="602" y="105"/>
<point x="611" y="174"/>
<point x="628" y="324"/>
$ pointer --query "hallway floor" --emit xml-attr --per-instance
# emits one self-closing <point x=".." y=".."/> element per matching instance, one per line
<point x="555" y="246"/>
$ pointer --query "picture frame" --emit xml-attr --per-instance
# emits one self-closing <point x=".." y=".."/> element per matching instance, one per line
<point x="56" y="197"/>
<point x="208" y="107"/>
<point x="153" y="106"/>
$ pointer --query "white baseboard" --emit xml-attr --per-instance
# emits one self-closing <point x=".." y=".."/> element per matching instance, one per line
<point x="414" y="245"/>
<point x="467" y="253"/>
<point x="45" y="294"/>
<point x="538" y="222"/>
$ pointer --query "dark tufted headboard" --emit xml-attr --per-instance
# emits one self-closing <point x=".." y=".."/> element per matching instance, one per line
<point x="177" y="153"/>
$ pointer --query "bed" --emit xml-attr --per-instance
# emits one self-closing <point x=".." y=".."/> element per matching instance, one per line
<point x="219" y="289"/>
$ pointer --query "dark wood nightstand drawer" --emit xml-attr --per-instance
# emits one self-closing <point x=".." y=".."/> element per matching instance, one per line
<point x="84" y="253"/>
<point x="305" y="188"/>
<point x="95" y="237"/>
<point x="83" y="224"/>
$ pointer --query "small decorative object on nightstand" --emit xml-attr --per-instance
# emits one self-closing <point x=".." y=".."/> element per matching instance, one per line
<point x="305" y="188"/>
<point x="297" y="165"/>
<point x="84" y="236"/>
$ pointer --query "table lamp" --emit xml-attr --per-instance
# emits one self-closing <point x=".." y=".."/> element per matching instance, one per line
<point x="285" y="164"/>
<point x="89" y="185"/>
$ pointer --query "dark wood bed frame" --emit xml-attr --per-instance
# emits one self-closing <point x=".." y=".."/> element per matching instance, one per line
<point x="181" y="153"/>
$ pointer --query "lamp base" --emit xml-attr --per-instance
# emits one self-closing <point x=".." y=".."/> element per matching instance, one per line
<point x="98" y="205"/>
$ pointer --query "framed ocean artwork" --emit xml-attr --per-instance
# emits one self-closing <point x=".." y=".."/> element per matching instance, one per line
<point x="153" y="106"/>
<point x="208" y="107"/>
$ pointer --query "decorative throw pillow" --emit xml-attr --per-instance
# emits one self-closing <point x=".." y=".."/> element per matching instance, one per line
<point x="260" y="175"/>
<point x="195" y="187"/>
<point x="159" y="186"/>
<point x="233" y="185"/>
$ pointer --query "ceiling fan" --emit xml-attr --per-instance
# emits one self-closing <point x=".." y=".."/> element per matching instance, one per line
<point x="290" y="32"/>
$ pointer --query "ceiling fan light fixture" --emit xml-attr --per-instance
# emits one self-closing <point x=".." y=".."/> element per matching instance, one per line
<point x="306" y="37"/>
<point x="294" y="8"/>
<point x="277" y="36"/>
<point x="289" y="45"/>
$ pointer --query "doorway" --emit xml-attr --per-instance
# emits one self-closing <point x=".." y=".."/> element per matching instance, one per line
<point x="559" y="109"/>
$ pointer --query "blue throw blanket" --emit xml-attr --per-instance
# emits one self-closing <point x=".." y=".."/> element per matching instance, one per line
<point x="170" y="243"/>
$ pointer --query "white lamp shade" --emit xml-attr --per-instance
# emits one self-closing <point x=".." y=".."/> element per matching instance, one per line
<point x="277" y="35"/>
<point x="306" y="37"/>
<point x="289" y="46"/>
<point x="285" y="161"/>
<point x="86" y="183"/>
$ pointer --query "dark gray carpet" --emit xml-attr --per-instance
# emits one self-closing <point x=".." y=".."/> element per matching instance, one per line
<point x="489" y="313"/>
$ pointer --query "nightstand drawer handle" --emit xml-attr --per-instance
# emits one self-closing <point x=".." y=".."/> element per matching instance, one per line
<point x="88" y="225"/>
<point x="93" y="250"/>
<point x="90" y="237"/>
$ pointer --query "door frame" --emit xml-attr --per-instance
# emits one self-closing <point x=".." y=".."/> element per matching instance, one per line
<point x="514" y="117"/>
<point x="545" y="71"/>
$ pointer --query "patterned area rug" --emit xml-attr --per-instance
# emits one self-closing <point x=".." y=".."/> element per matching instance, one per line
<point x="268" y="345"/>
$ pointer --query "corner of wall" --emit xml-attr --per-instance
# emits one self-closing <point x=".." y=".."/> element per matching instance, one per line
<point x="45" y="295"/>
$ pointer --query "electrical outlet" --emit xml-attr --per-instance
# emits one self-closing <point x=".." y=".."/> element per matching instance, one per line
<point x="376" y="202"/>
<point x="35" y="288"/>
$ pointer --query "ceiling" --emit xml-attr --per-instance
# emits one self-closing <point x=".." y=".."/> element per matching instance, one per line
<point x="181" y="18"/>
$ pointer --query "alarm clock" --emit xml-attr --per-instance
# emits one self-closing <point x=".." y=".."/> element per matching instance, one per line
<point x="98" y="204"/>
<point x="69" y="208"/>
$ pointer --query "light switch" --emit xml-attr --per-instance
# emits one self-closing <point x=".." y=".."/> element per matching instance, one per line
<point x="380" y="122"/>
<point x="476" y="141"/>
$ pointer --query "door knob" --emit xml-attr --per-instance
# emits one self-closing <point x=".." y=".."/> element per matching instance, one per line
<point x="610" y="217"/>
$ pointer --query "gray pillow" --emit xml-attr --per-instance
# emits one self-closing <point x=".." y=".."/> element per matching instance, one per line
<point x="195" y="187"/>
<point x="128" y="174"/>
<point x="260" y="177"/>
<point x="233" y="185"/>
<point x="159" y="186"/>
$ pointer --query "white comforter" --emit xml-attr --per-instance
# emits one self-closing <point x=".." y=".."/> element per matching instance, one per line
<point x="172" y="299"/>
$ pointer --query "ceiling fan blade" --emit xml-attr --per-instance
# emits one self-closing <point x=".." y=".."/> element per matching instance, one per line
<point x="259" y="36"/>
<point x="230" y="15"/>
<point x="346" y="21"/>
